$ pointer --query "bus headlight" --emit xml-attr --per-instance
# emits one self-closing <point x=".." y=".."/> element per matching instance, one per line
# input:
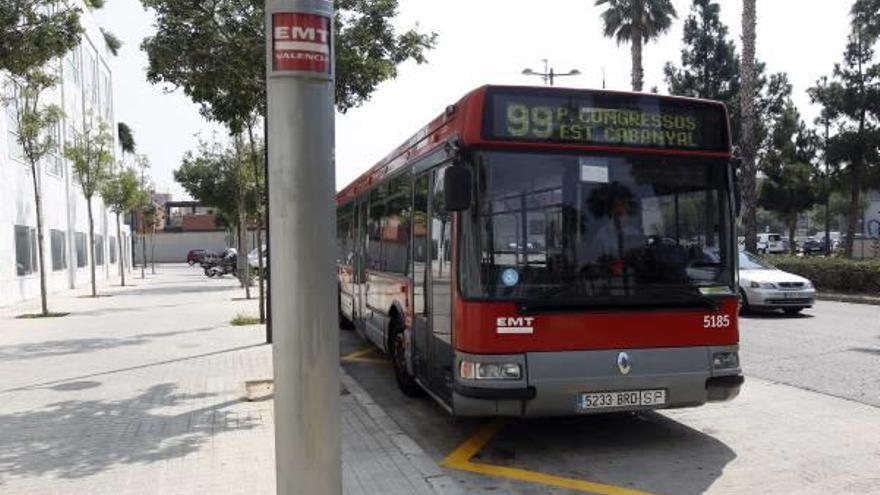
<point x="470" y="370"/>
<point x="725" y="360"/>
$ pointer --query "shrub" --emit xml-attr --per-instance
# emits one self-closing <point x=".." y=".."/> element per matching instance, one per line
<point x="242" y="319"/>
<point x="834" y="274"/>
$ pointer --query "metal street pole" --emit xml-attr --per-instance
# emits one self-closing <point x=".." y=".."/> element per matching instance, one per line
<point x="301" y="190"/>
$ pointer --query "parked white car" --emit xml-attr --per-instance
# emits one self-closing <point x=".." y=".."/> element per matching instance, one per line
<point x="253" y="259"/>
<point x="771" y="243"/>
<point x="763" y="286"/>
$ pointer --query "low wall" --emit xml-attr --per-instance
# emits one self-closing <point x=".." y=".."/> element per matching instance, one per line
<point x="172" y="247"/>
<point x="864" y="249"/>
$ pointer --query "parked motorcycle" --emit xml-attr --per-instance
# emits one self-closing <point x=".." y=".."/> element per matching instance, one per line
<point x="223" y="265"/>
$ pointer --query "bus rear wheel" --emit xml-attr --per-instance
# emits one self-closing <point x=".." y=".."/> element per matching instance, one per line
<point x="405" y="380"/>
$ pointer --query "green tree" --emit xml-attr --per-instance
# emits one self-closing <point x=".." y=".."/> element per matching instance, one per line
<point x="35" y="127"/>
<point x="636" y="22"/>
<point x="211" y="177"/>
<point x="709" y="64"/>
<point x="850" y="101"/>
<point x="143" y="164"/>
<point x="33" y="33"/>
<point x="91" y="155"/>
<point x="126" y="138"/>
<point x="710" y="68"/>
<point x="749" y="143"/>
<point x="112" y="42"/>
<point x="788" y="189"/>
<point x="121" y="193"/>
<point x="221" y="67"/>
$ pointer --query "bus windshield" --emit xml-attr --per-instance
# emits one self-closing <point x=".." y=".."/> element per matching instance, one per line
<point x="571" y="227"/>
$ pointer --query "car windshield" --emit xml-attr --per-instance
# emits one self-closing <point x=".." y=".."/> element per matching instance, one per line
<point x="572" y="226"/>
<point x="748" y="261"/>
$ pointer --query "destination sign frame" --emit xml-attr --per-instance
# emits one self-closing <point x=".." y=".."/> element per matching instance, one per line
<point x="606" y="119"/>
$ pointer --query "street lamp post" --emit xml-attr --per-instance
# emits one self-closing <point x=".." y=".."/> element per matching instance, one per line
<point x="300" y="75"/>
<point x="549" y="75"/>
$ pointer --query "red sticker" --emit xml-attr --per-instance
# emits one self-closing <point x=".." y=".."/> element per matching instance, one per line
<point x="301" y="42"/>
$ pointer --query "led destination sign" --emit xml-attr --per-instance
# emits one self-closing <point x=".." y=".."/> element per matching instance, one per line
<point x="607" y="119"/>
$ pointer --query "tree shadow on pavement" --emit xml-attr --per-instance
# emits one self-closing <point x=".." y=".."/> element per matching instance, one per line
<point x="643" y="450"/>
<point x="48" y="348"/>
<point x="78" y="438"/>
<point x="172" y="290"/>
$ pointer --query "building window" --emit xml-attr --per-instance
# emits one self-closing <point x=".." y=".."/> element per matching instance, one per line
<point x="15" y="150"/>
<point x="99" y="250"/>
<point x="54" y="165"/>
<point x="59" y="249"/>
<point x="71" y="68"/>
<point x="112" y="241"/>
<point x="25" y="250"/>
<point x="106" y="98"/>
<point x="81" y="257"/>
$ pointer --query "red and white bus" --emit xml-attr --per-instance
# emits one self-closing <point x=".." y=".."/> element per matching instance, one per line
<point x="545" y="251"/>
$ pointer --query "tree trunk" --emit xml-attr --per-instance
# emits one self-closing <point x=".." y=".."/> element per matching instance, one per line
<point x="152" y="252"/>
<point x="261" y="270"/>
<point x="38" y="203"/>
<point x="262" y="275"/>
<point x="792" y="228"/>
<point x="748" y="146"/>
<point x="855" y="208"/>
<point x="827" y="223"/>
<point x="119" y="244"/>
<point x="242" y="263"/>
<point x="636" y="52"/>
<point x="92" y="245"/>
<point x="144" y="252"/>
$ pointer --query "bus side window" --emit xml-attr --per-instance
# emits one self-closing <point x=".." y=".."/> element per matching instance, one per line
<point x="420" y="242"/>
<point x="396" y="222"/>
<point x="441" y="257"/>
<point x="375" y="224"/>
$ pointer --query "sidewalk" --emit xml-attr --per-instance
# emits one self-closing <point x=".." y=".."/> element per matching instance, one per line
<point x="848" y="298"/>
<point x="143" y="393"/>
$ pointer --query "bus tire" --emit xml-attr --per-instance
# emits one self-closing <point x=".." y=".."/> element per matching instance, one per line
<point x="344" y="322"/>
<point x="397" y="348"/>
<point x="744" y="302"/>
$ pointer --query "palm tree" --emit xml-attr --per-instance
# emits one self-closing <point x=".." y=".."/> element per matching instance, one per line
<point x="126" y="139"/>
<point x="748" y="143"/>
<point x="636" y="22"/>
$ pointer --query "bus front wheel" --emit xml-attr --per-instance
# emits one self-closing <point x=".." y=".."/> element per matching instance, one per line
<point x="405" y="380"/>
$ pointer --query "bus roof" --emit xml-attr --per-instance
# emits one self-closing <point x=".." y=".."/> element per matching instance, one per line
<point x="468" y="121"/>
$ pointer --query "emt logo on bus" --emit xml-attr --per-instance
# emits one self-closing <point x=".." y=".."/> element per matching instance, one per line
<point x="301" y="42"/>
<point x="514" y="325"/>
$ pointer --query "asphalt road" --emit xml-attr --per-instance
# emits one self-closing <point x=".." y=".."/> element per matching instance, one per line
<point x="806" y="422"/>
<point x="833" y="349"/>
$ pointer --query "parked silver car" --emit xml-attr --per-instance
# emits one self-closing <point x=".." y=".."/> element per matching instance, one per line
<point x="763" y="286"/>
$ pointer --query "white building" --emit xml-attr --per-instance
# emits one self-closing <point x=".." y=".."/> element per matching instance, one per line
<point x="86" y="87"/>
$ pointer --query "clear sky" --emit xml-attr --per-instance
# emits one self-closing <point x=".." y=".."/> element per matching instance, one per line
<point x="480" y="42"/>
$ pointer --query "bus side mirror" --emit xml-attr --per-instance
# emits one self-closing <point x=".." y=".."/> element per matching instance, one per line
<point x="736" y="164"/>
<point x="457" y="188"/>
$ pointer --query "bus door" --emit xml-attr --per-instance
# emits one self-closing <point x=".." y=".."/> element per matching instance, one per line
<point x="360" y="276"/>
<point x="432" y="285"/>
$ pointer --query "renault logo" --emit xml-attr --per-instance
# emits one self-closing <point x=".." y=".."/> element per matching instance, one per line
<point x="623" y="363"/>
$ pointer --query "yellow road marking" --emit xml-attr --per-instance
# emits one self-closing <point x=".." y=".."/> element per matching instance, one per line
<point x="358" y="357"/>
<point x="356" y="354"/>
<point x="460" y="459"/>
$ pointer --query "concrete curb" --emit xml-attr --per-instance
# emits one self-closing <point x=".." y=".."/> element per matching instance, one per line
<point x="427" y="468"/>
<point x="849" y="298"/>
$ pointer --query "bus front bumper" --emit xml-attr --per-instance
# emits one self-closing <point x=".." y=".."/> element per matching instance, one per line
<point x="554" y="383"/>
